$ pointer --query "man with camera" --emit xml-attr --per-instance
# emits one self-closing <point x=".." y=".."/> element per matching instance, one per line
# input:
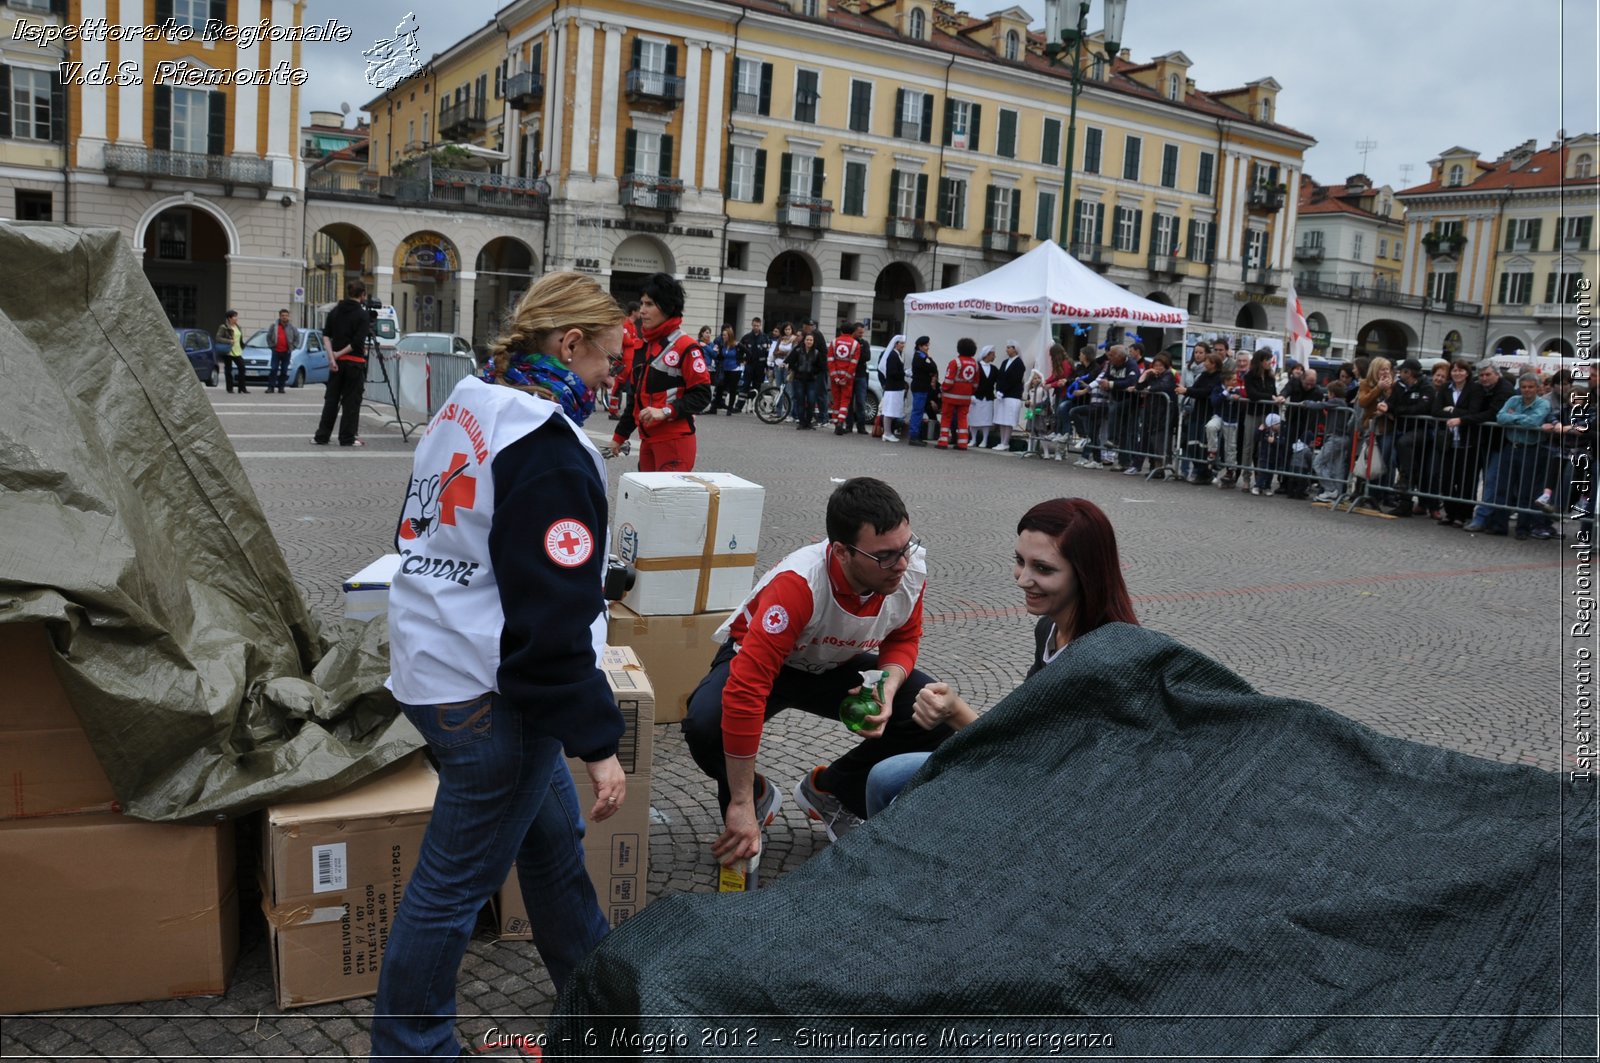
<point x="344" y="337"/>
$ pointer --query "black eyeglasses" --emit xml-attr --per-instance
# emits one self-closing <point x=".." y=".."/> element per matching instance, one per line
<point x="888" y="559"/>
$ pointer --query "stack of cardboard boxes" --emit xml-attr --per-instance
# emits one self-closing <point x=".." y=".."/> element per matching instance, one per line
<point x="101" y="909"/>
<point x="692" y="538"/>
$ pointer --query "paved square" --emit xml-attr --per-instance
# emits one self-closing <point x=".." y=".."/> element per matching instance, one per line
<point x="1418" y="631"/>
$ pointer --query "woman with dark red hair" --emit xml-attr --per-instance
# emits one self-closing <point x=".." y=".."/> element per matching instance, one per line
<point x="1066" y="567"/>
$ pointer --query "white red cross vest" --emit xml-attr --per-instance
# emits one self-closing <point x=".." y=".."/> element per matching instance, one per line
<point x="833" y="635"/>
<point x="445" y="617"/>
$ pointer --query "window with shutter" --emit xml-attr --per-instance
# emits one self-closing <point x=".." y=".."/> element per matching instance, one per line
<point x="1050" y="150"/>
<point x="806" y="96"/>
<point x="190" y="122"/>
<point x="927" y="118"/>
<point x="1130" y="158"/>
<point x="1044" y="217"/>
<point x="1169" y="166"/>
<point x="1208" y="165"/>
<point x="855" y="188"/>
<point x="1092" y="139"/>
<point x="742" y="173"/>
<point x="764" y="105"/>
<point x="1006" y="138"/>
<point x="860" y="106"/>
<point x="29" y="99"/>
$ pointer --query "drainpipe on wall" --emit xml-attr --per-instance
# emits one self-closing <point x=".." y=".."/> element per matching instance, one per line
<point x="934" y="283"/>
<point x="544" y="127"/>
<point x="733" y="95"/>
<point x="1216" y="229"/>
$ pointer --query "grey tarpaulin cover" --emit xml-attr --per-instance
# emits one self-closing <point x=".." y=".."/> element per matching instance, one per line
<point x="128" y="528"/>
<point x="1137" y="844"/>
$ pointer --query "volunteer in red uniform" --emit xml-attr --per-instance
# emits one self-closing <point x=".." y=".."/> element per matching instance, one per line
<point x="671" y="383"/>
<point x="960" y="382"/>
<point x="817" y="619"/>
<point x="631" y="342"/>
<point x="842" y="354"/>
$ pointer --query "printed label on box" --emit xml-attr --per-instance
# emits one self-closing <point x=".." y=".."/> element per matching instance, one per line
<point x="330" y="869"/>
<point x="624" y="854"/>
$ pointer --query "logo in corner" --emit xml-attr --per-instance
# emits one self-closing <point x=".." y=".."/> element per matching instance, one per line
<point x="568" y="543"/>
<point x="388" y="61"/>
<point x="775" y="620"/>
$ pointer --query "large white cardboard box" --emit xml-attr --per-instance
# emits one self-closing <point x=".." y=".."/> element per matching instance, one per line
<point x="692" y="536"/>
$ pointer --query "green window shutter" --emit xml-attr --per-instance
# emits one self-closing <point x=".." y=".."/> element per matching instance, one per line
<point x="764" y="104"/>
<point x="638" y="52"/>
<point x="974" y="126"/>
<point x="1191" y="241"/>
<point x="816" y="179"/>
<point x="1100" y="224"/>
<point x="949" y="122"/>
<point x="899" y="109"/>
<point x="1511" y="233"/>
<point x="1091" y="150"/>
<point x="630" y="150"/>
<point x="922" y="196"/>
<point x="5" y="100"/>
<point x="988" y="208"/>
<point x="217" y="123"/>
<point x="944" y="200"/>
<point x="927" y="118"/>
<point x="1550" y="287"/>
<point x="536" y="62"/>
<point x="1006" y="142"/>
<point x="672" y="60"/>
<point x="58" y="109"/>
<point x="855" y="188"/>
<point x="219" y="10"/>
<point x="894" y="194"/>
<point x="1585" y="226"/>
<point x="761" y="175"/>
<point x="727" y="175"/>
<point x="784" y="171"/>
<point x="1077" y="223"/>
<point x="1050" y="153"/>
<point x="1016" y="210"/>
<point x="1138" y="229"/>
<point x="1505" y="286"/>
<point x="666" y="155"/>
<point x="1533" y="235"/>
<point x="162" y="113"/>
<point x="163" y="12"/>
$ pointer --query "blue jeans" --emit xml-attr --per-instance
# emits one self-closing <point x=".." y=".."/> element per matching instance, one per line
<point x="856" y="417"/>
<point x="889" y="777"/>
<point x="278" y="374"/>
<point x="919" y="403"/>
<point x="505" y="796"/>
<point x="1491" y="493"/>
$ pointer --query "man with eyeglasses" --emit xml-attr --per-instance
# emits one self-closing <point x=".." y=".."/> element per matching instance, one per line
<point x="1483" y="407"/>
<point x="816" y="620"/>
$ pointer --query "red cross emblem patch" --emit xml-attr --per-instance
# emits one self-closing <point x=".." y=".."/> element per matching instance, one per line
<point x="568" y="543"/>
<point x="670" y="358"/>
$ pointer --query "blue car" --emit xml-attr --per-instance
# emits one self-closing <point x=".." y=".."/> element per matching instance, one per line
<point x="308" y="362"/>
<point x="197" y="345"/>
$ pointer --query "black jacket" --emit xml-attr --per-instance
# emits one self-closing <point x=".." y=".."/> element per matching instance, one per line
<point x="923" y="371"/>
<point x="864" y="358"/>
<point x="894" y="372"/>
<point x="348" y="326"/>
<point x="987" y="376"/>
<point x="1483" y="406"/>
<point x="1411" y="400"/>
<point x="1012" y="376"/>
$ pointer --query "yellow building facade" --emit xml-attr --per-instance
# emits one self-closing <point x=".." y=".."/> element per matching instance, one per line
<point x="164" y="122"/>
<point x="804" y="160"/>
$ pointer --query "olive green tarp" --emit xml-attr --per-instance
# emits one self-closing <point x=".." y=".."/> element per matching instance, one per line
<point x="129" y="529"/>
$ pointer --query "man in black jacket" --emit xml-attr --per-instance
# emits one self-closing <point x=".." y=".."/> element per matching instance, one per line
<point x="857" y="415"/>
<point x="753" y="352"/>
<point x="344" y="337"/>
<point x="1410" y="403"/>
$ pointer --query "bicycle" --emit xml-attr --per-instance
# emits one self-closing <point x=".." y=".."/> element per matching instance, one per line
<point x="772" y="404"/>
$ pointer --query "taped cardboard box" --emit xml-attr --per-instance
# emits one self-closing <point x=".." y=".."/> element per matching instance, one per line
<point x="102" y="909"/>
<point x="692" y="537"/>
<point x="616" y="853"/>
<point x="634" y="689"/>
<point x="46" y="763"/>
<point x="675" y="651"/>
<point x="333" y="872"/>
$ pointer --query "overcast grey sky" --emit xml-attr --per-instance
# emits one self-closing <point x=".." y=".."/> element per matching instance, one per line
<point x="1416" y="76"/>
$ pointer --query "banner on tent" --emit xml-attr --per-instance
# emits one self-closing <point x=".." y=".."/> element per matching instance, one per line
<point x="1060" y="311"/>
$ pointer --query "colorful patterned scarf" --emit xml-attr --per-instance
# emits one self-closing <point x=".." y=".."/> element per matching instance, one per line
<point x="547" y="376"/>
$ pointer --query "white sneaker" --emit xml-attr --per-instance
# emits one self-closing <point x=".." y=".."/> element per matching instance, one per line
<point x="1255" y="490"/>
<point x="1132" y="470"/>
<point x="1001" y="446"/>
<point x="889" y="438"/>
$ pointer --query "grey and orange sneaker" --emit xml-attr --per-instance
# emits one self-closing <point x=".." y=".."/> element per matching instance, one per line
<point x="823" y="807"/>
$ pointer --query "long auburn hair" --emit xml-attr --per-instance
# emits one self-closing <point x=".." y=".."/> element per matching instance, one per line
<point x="1086" y="541"/>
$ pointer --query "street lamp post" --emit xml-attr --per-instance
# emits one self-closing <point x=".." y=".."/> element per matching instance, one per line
<point x="1058" y="43"/>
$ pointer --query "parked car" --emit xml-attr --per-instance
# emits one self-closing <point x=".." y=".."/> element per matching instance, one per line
<point x="308" y="362"/>
<point x="197" y="344"/>
<point x="434" y="343"/>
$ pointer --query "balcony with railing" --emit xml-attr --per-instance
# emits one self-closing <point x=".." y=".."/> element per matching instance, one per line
<point x="148" y="164"/>
<point x="1261" y="278"/>
<point x="1443" y="245"/>
<point x="1165" y="265"/>
<point x="1096" y="256"/>
<point x="909" y="230"/>
<point x="805" y="212"/>
<point x="908" y="129"/>
<point x="747" y="102"/>
<point x="648" y="191"/>
<point x="462" y="119"/>
<point x="437" y="188"/>
<point x="1267" y="198"/>
<point x="654" y="87"/>
<point x="1001" y="243"/>
<point x="1308" y="253"/>
<point x="524" y="90"/>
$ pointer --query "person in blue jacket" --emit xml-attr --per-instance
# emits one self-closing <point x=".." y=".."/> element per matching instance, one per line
<point x="725" y="363"/>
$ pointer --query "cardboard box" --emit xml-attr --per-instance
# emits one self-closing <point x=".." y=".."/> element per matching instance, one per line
<point x="102" y="909"/>
<point x="366" y="594"/>
<point x="691" y="536"/>
<point x="47" y="766"/>
<point x="616" y="853"/>
<point x="676" y="652"/>
<point x="630" y="682"/>
<point x="333" y="872"/>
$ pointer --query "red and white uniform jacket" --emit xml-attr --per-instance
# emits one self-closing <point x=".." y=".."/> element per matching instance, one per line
<point x="804" y="614"/>
<point x="960" y="380"/>
<point x="669" y="372"/>
<point x="842" y="356"/>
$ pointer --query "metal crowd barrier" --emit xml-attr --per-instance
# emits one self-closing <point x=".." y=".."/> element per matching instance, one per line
<point x="423" y="381"/>
<point x="1133" y="430"/>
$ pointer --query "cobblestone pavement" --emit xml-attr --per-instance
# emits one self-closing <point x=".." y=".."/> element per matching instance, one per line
<point x="1418" y="631"/>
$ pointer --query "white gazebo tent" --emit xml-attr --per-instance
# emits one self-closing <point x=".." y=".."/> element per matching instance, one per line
<point x="1021" y="300"/>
